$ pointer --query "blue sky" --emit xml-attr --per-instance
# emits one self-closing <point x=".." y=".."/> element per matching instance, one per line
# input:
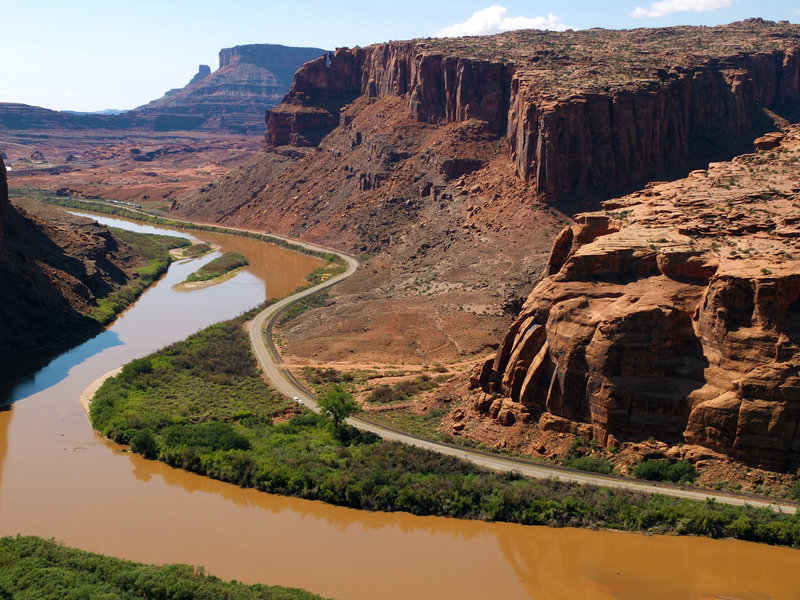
<point x="92" y="55"/>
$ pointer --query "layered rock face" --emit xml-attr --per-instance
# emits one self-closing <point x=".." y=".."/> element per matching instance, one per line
<point x="15" y="116"/>
<point x="582" y="112"/>
<point x="250" y="79"/>
<point x="673" y="313"/>
<point x="438" y="89"/>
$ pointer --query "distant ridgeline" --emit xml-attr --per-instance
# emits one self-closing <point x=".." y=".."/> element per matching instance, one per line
<point x="250" y="79"/>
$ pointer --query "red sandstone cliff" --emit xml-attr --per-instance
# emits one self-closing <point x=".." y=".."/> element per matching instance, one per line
<point x="581" y="111"/>
<point x="414" y="152"/>
<point x="673" y="313"/>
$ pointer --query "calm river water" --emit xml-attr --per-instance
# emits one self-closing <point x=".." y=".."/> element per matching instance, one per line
<point x="59" y="479"/>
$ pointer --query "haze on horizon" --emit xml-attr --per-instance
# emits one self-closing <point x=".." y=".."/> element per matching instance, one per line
<point x="91" y="55"/>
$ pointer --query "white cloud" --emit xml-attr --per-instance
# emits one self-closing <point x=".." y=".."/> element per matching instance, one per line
<point x="496" y="19"/>
<point x="667" y="7"/>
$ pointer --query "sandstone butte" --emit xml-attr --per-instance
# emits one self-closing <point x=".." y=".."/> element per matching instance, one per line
<point x="249" y="80"/>
<point x="674" y="311"/>
<point x="671" y="313"/>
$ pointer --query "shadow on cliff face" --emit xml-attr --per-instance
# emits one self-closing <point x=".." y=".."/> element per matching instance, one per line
<point x="34" y="311"/>
<point x="643" y="368"/>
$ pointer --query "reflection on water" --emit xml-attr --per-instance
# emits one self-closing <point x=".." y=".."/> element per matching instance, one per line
<point x="59" y="367"/>
<point x="60" y="479"/>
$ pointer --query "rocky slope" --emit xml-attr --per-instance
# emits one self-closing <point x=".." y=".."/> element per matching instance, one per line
<point x="53" y="266"/>
<point x="233" y="98"/>
<point x="433" y="154"/>
<point x="674" y="312"/>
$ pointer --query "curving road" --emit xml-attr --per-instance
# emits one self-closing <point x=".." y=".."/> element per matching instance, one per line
<point x="270" y="360"/>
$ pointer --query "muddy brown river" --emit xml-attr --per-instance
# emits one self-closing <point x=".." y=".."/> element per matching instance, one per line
<point x="59" y="479"/>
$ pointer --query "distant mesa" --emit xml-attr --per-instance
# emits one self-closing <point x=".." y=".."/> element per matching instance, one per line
<point x="250" y="80"/>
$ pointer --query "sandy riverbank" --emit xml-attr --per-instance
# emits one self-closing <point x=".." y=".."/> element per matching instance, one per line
<point x="89" y="392"/>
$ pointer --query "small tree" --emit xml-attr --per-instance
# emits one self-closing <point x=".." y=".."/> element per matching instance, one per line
<point x="337" y="405"/>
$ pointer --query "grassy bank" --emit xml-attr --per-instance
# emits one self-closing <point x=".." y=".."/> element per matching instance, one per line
<point x="155" y="249"/>
<point x="31" y="567"/>
<point x="222" y="265"/>
<point x="201" y="405"/>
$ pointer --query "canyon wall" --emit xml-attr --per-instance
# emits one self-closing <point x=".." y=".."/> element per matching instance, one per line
<point x="610" y="141"/>
<point x="438" y="88"/>
<point x="563" y="139"/>
<point x="674" y="313"/>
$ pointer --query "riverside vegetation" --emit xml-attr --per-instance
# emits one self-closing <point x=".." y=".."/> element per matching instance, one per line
<point x="201" y="405"/>
<point x="34" y="568"/>
<point x="219" y="267"/>
<point x="335" y="267"/>
<point x="155" y="249"/>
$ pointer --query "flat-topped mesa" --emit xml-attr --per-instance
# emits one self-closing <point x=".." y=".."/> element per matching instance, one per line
<point x="281" y="61"/>
<point x="674" y="313"/>
<point x="582" y="112"/>
<point x="233" y="98"/>
<point x="614" y="140"/>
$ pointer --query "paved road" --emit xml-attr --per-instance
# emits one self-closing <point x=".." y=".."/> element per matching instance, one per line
<point x="269" y="357"/>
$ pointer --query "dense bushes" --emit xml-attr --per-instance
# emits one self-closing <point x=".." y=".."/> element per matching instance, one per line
<point x="311" y="301"/>
<point x="227" y="430"/>
<point x="680" y="471"/>
<point x="590" y="463"/>
<point x="31" y="567"/>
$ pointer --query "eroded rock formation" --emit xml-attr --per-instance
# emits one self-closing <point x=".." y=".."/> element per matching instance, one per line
<point x="233" y="98"/>
<point x="673" y="313"/>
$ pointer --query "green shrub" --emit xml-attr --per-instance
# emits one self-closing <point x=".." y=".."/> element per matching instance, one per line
<point x="591" y="464"/>
<point x="794" y="492"/>
<point x="142" y="442"/>
<point x="681" y="471"/>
